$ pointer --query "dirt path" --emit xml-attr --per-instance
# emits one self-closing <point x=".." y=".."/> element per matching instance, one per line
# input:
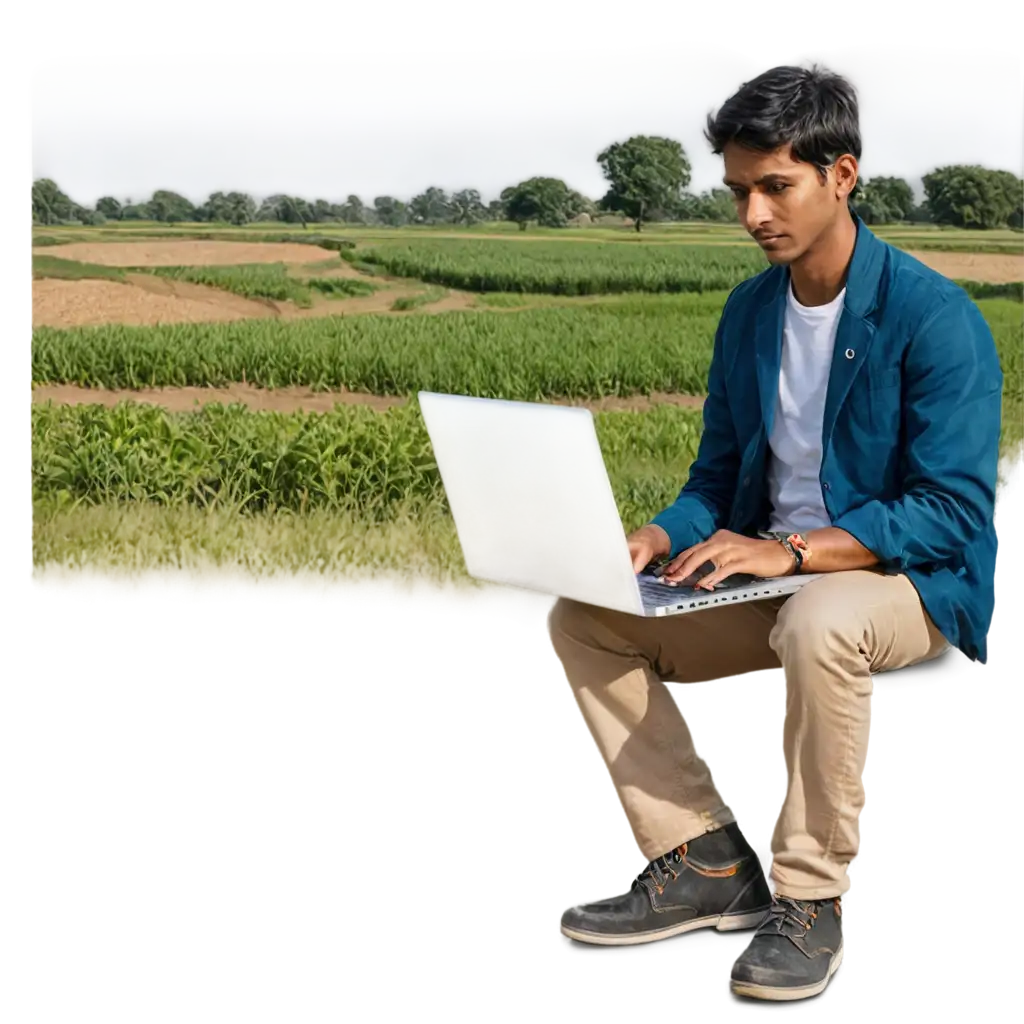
<point x="295" y="399"/>
<point x="996" y="268"/>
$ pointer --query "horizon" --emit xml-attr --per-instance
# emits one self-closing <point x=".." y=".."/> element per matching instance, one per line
<point x="399" y="142"/>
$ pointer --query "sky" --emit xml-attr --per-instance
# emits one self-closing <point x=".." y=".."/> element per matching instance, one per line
<point x="477" y="108"/>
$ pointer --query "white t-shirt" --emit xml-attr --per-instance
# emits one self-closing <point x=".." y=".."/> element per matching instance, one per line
<point x="808" y="339"/>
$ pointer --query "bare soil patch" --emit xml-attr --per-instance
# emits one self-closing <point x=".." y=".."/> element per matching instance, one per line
<point x="146" y="299"/>
<point x="91" y="303"/>
<point x="172" y="252"/>
<point x="296" y="399"/>
<point x="996" y="268"/>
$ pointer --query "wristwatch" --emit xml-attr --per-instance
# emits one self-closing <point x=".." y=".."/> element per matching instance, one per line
<point x="796" y="544"/>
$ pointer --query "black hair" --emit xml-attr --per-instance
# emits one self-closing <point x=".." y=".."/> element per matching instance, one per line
<point x="814" y="110"/>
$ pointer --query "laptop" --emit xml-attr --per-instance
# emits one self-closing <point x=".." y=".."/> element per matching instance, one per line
<point x="533" y="508"/>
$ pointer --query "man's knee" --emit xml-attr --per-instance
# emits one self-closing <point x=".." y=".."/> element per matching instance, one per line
<point x="576" y="628"/>
<point x="822" y="618"/>
<point x="568" y="620"/>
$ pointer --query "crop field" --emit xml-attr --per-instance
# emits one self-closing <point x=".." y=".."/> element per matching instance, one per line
<point x="123" y="482"/>
<point x="584" y="351"/>
<point x="267" y="281"/>
<point x="567" y="268"/>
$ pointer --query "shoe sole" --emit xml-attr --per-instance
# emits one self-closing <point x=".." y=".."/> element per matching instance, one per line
<point x="752" y="991"/>
<point x="720" y="922"/>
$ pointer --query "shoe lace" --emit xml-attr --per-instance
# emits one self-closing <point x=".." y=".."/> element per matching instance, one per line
<point x="660" y="871"/>
<point x="790" y="917"/>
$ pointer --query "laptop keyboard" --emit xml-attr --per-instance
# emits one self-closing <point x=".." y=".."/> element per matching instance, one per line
<point x="656" y="594"/>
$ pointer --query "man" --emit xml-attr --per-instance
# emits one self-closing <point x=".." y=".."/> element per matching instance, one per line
<point x="853" y="410"/>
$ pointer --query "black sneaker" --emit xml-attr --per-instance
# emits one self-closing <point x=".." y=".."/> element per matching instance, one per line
<point x="714" y="881"/>
<point x="794" y="953"/>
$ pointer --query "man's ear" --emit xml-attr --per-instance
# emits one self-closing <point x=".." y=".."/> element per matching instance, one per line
<point x="846" y="172"/>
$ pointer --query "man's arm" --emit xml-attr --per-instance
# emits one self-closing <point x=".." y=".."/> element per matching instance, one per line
<point x="833" y="550"/>
<point x="703" y="504"/>
<point x="951" y="452"/>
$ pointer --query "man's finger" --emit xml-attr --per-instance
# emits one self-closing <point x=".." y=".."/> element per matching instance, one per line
<point x="684" y="564"/>
<point x="712" y="578"/>
<point x="696" y="560"/>
<point x="684" y="556"/>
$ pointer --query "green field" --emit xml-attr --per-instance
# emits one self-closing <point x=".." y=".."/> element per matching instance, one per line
<point x="267" y="281"/>
<point x="355" y="489"/>
<point x="618" y="348"/>
<point x="250" y="280"/>
<point x="567" y="268"/>
<point x="906" y="236"/>
<point x="353" y="458"/>
<point x="625" y="347"/>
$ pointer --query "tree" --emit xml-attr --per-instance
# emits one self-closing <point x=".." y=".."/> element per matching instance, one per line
<point x="919" y="214"/>
<point x="1013" y="189"/>
<point x="430" y="207"/>
<point x="83" y="215"/>
<point x="466" y="207"/>
<point x="548" y="201"/>
<point x="109" y="207"/>
<point x="718" y="204"/>
<point x="646" y="172"/>
<point x="883" y="200"/>
<point x="170" y="207"/>
<point x="322" y="211"/>
<point x="971" y="196"/>
<point x="392" y="212"/>
<point x="496" y="210"/>
<point x="287" y="209"/>
<point x="352" y="211"/>
<point x="49" y="204"/>
<point x="135" y="211"/>
<point x="233" y="208"/>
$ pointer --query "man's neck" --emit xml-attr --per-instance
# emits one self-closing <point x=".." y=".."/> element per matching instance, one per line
<point x="819" y="275"/>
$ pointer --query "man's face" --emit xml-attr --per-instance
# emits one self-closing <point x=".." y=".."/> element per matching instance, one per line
<point x="783" y="203"/>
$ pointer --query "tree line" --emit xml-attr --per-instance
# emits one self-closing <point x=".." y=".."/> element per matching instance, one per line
<point x="648" y="178"/>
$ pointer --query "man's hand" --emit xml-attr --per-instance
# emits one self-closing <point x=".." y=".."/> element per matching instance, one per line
<point x="646" y="544"/>
<point x="730" y="553"/>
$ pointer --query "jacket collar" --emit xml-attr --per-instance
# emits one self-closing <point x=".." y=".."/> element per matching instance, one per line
<point x="853" y="335"/>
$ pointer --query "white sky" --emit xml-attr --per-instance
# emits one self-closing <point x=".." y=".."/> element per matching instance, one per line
<point x="391" y="101"/>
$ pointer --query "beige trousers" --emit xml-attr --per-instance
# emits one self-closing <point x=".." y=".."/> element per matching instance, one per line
<point x="829" y="637"/>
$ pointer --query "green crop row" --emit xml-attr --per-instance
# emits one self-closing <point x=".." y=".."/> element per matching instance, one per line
<point x="613" y="349"/>
<point x="251" y="280"/>
<point x="377" y="466"/>
<point x="566" y="268"/>
<point x="623" y="347"/>
<point x="266" y="281"/>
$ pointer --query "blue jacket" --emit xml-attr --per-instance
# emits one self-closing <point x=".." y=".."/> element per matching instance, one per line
<point x="910" y="438"/>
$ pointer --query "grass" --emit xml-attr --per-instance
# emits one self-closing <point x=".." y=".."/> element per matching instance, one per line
<point x="566" y="268"/>
<point x="251" y="280"/>
<point x="139" y="537"/>
<point x="152" y="542"/>
<point x="340" y="287"/>
<point x="73" y="270"/>
<point x="408" y="302"/>
<point x="624" y="346"/>
<point x="503" y="300"/>
<point x="620" y="348"/>
<point x="267" y="281"/>
<point x="356" y="490"/>
<point x="376" y="465"/>
<point x="337" y="235"/>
